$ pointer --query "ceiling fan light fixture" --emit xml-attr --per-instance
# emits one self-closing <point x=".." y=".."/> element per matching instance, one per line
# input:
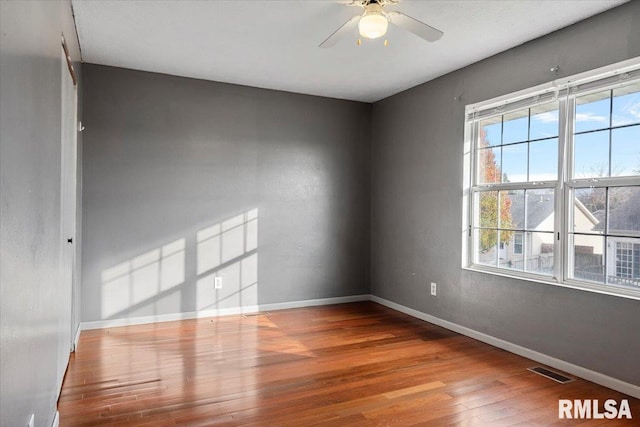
<point x="373" y="24"/>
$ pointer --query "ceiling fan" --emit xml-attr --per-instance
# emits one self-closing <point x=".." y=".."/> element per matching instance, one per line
<point x="374" y="21"/>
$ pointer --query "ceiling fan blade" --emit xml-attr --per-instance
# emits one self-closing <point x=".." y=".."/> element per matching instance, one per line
<point x="341" y="32"/>
<point x="418" y="28"/>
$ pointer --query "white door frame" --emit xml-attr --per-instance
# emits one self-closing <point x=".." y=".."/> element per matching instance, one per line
<point x="68" y="188"/>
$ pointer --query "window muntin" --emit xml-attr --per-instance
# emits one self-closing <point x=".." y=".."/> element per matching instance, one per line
<point x="521" y="156"/>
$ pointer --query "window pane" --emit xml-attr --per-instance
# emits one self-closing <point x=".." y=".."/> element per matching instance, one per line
<point x="588" y="210"/>
<point x="489" y="209"/>
<point x="489" y="165"/>
<point x="544" y="121"/>
<point x="515" y="127"/>
<point x="625" y="151"/>
<point x="624" y="211"/>
<point x="539" y="253"/>
<point x="626" y="105"/>
<point x="486" y="250"/>
<point x="540" y="208"/>
<point x="490" y="132"/>
<point x="510" y="254"/>
<point x="588" y="263"/>
<point x="591" y="155"/>
<point x="514" y="163"/>
<point x="512" y="209"/>
<point x="623" y="261"/>
<point x="543" y="160"/>
<point x="592" y="111"/>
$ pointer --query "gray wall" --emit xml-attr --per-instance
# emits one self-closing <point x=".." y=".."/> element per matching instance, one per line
<point x="417" y="207"/>
<point x="167" y="157"/>
<point x="30" y="241"/>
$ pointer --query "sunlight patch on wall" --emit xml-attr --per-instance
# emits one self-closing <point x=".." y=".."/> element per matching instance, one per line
<point x="228" y="250"/>
<point x="155" y="281"/>
<point x="142" y="278"/>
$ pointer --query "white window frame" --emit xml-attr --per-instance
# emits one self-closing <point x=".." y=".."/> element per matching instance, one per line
<point x="564" y="91"/>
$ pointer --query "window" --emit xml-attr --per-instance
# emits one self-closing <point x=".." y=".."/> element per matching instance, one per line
<point x="517" y="243"/>
<point x="626" y="260"/>
<point x="552" y="183"/>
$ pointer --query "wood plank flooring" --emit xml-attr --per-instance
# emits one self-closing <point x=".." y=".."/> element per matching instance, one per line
<point x="355" y="364"/>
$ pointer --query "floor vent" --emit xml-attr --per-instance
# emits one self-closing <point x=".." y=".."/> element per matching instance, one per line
<point x="259" y="314"/>
<point x="557" y="377"/>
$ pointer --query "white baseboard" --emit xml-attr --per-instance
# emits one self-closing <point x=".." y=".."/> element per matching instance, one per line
<point x="314" y="302"/>
<point x="56" y="420"/>
<point x="77" y="338"/>
<point x="112" y="323"/>
<point x="579" y="371"/>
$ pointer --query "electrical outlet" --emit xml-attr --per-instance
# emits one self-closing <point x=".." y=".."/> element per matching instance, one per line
<point x="433" y="289"/>
<point x="32" y="421"/>
<point x="217" y="282"/>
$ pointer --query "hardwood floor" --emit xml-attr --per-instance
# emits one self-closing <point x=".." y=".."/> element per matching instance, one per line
<point x="349" y="364"/>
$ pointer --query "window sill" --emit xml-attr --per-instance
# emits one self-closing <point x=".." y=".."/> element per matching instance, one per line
<point x="547" y="280"/>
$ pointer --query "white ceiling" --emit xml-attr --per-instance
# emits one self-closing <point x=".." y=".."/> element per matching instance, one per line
<point x="274" y="44"/>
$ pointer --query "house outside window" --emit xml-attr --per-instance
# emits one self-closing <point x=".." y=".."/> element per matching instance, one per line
<point x="626" y="262"/>
<point x="552" y="183"/>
